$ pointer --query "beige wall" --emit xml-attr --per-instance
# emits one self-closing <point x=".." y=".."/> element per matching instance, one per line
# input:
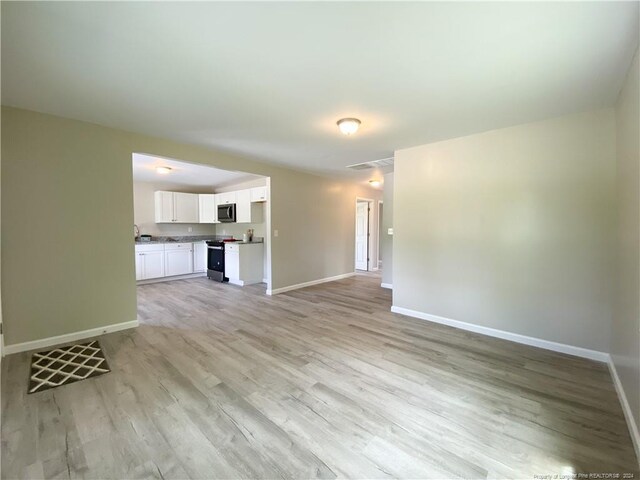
<point x="386" y="240"/>
<point x="67" y="212"/>
<point x="144" y="214"/>
<point x="625" y="336"/>
<point x="511" y="229"/>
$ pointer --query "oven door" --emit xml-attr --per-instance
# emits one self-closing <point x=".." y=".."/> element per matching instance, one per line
<point x="215" y="263"/>
<point x="215" y="258"/>
<point x="227" y="213"/>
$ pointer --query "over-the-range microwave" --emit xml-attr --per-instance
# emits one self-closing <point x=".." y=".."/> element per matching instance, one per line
<point x="227" y="213"/>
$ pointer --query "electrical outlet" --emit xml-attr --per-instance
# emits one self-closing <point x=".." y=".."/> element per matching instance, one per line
<point x="275" y="233"/>
<point x="389" y="231"/>
<point x="190" y="229"/>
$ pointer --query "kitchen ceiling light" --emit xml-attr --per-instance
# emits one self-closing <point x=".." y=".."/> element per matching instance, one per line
<point x="348" y="126"/>
<point x="374" y="183"/>
<point x="163" y="170"/>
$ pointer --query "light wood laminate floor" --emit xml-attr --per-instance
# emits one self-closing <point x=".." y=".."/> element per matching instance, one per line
<point x="222" y="381"/>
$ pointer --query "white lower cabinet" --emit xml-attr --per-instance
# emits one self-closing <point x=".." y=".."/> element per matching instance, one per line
<point x="169" y="259"/>
<point x="178" y="259"/>
<point x="243" y="263"/>
<point x="232" y="266"/>
<point x="149" y="261"/>
<point x="199" y="257"/>
<point x="153" y="265"/>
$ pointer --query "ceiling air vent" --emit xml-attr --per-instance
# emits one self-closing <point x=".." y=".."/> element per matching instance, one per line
<point x="383" y="162"/>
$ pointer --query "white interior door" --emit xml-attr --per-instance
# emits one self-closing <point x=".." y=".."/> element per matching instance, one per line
<point x="362" y="235"/>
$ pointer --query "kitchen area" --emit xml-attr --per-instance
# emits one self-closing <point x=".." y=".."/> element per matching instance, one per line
<point x="198" y="221"/>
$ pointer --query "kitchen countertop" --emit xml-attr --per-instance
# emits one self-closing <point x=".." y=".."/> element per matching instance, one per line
<point x="193" y="238"/>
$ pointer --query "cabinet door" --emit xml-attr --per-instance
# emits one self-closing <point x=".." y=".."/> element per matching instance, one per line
<point x="186" y="207"/>
<point x="139" y="265"/>
<point x="164" y="207"/>
<point x="200" y="257"/>
<point x="178" y="262"/>
<point x="207" y="208"/>
<point x="243" y="206"/>
<point x="152" y="265"/>
<point x="225" y="198"/>
<point x="232" y="265"/>
<point x="259" y="194"/>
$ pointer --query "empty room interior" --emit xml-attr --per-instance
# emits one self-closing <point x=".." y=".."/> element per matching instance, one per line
<point x="362" y="240"/>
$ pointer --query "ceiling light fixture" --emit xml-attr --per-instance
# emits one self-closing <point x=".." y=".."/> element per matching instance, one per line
<point x="348" y="126"/>
<point x="374" y="183"/>
<point x="163" y="170"/>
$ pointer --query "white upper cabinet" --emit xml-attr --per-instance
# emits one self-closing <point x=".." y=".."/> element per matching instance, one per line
<point x="258" y="194"/>
<point x="243" y="206"/>
<point x="226" y="198"/>
<point x="186" y="208"/>
<point x="208" y="210"/>
<point x="176" y="207"/>
<point x="164" y="207"/>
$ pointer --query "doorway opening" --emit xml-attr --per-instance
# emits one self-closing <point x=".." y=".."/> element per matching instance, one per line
<point x="364" y="211"/>
<point x="184" y="211"/>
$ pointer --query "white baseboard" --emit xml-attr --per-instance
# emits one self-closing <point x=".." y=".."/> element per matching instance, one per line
<point x="386" y="285"/>
<point x="513" y="337"/>
<point x="275" y="291"/>
<point x="626" y="408"/>
<point x="68" y="337"/>
<point x="169" y="279"/>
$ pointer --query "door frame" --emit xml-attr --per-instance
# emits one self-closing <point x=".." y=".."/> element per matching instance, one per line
<point x="379" y="239"/>
<point x="370" y="245"/>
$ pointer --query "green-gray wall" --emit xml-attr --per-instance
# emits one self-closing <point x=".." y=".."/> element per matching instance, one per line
<point x="511" y="229"/>
<point x="625" y="337"/>
<point x="67" y="220"/>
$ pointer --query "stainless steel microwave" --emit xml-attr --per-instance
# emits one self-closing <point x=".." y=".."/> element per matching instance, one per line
<point x="227" y="213"/>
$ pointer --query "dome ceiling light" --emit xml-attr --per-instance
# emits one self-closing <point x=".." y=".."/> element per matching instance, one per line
<point x="348" y="126"/>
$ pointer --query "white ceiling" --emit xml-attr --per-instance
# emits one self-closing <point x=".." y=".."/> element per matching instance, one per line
<point x="269" y="80"/>
<point x="182" y="173"/>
